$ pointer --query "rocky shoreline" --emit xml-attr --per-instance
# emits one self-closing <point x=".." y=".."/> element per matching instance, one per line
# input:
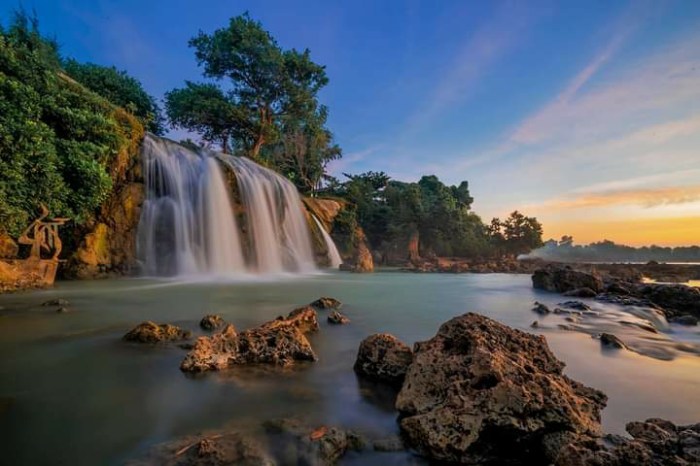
<point x="478" y="392"/>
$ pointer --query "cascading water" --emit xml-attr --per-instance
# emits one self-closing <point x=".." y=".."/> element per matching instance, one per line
<point x="188" y="224"/>
<point x="333" y="254"/>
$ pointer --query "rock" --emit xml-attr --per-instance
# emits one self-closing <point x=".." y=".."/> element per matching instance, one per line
<point x="541" y="308"/>
<point x="337" y="318"/>
<point x="655" y="442"/>
<point x="326" y="303"/>
<point x="684" y="320"/>
<point x="675" y="299"/>
<point x="388" y="444"/>
<point x="8" y="247"/>
<point x="535" y="324"/>
<point x="212" y="322"/>
<point x="217" y="449"/>
<point x="307" y="445"/>
<point x="384" y="358"/>
<point x="576" y="305"/>
<point x="563" y="279"/>
<point x="62" y="310"/>
<point x="56" y="302"/>
<point x="611" y="341"/>
<point x="581" y="293"/>
<point x="363" y="256"/>
<point x="617" y="288"/>
<point x="480" y="392"/>
<point x="150" y="332"/>
<point x="280" y="342"/>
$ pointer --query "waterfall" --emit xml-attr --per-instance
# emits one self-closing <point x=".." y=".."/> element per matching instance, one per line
<point x="188" y="225"/>
<point x="333" y="254"/>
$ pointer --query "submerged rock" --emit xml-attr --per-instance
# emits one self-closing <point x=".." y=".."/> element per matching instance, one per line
<point x="337" y="318"/>
<point x="480" y="392"/>
<point x="384" y="358"/>
<point x="151" y="332"/>
<point x="212" y="322"/>
<point x="576" y="305"/>
<point x="563" y="279"/>
<point x="326" y="303"/>
<point x="281" y="342"/>
<point x="541" y="308"/>
<point x="56" y="302"/>
<point x="216" y="449"/>
<point x="299" y="443"/>
<point x="684" y="320"/>
<point x="611" y="341"/>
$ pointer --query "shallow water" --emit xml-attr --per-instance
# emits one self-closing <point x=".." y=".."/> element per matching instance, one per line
<point x="71" y="392"/>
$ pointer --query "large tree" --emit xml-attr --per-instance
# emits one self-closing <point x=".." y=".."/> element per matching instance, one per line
<point x="266" y="89"/>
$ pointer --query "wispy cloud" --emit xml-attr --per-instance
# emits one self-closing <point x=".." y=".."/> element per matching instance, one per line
<point x="640" y="197"/>
<point x="337" y="167"/>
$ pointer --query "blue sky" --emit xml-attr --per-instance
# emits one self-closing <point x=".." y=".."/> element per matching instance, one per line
<point x="585" y="114"/>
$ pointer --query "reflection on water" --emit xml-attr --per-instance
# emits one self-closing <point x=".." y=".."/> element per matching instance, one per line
<point x="71" y="392"/>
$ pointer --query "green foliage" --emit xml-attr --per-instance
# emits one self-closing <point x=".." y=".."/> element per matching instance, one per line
<point x="57" y="140"/>
<point x="267" y="107"/>
<point x="120" y="89"/>
<point x="516" y="235"/>
<point x="438" y="215"/>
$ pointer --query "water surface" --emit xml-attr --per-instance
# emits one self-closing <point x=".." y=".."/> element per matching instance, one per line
<point x="71" y="392"/>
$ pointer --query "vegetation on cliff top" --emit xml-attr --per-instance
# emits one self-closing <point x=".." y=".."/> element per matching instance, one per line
<point x="60" y="143"/>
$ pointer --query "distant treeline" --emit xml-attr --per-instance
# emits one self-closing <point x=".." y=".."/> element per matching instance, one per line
<point x="609" y="251"/>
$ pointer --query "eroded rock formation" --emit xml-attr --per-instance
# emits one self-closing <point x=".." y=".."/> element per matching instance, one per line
<point x="151" y="332"/>
<point x="383" y="357"/>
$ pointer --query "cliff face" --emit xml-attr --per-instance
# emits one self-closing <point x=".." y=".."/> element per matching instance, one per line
<point x="106" y="244"/>
<point x="352" y="243"/>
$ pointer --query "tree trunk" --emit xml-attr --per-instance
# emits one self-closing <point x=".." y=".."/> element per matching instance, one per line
<point x="413" y="243"/>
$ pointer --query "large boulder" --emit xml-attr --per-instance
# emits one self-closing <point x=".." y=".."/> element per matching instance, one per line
<point x="565" y="279"/>
<point x="280" y="342"/>
<point x="675" y="299"/>
<point x="151" y="332"/>
<point x="480" y="392"/>
<point x="384" y="358"/>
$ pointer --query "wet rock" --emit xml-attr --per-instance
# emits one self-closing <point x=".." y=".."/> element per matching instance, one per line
<point x="384" y="358"/>
<point x="684" y="320"/>
<point x="151" y="332"/>
<point x="581" y="293"/>
<point x="563" y="279"/>
<point x="576" y="305"/>
<point x="279" y="342"/>
<point x="326" y="303"/>
<point x="625" y="300"/>
<point x="212" y="322"/>
<point x="300" y="443"/>
<point x="216" y="449"/>
<point x="480" y="392"/>
<point x="62" y="310"/>
<point x="675" y="299"/>
<point x="617" y="288"/>
<point x="541" y="308"/>
<point x="611" y="341"/>
<point x="337" y="318"/>
<point x="56" y="302"/>
<point x="535" y="324"/>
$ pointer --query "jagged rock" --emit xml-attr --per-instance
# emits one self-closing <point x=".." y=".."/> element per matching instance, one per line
<point x="150" y="332"/>
<point x="216" y="449"/>
<point x="581" y="293"/>
<point x="281" y="342"/>
<point x="212" y="322"/>
<point x="337" y="318"/>
<point x="563" y="279"/>
<point x="541" y="308"/>
<point x="56" y="302"/>
<point x="611" y="341"/>
<point x="655" y="442"/>
<point x="684" y="320"/>
<point x="326" y="303"/>
<point x="617" y="288"/>
<point x="480" y="392"/>
<point x="309" y="445"/>
<point x="384" y="358"/>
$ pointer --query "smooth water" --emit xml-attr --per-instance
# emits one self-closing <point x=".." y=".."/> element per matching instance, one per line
<point x="71" y="392"/>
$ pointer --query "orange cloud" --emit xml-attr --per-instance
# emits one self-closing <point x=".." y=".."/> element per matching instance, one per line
<point x="641" y="197"/>
<point x="674" y="231"/>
